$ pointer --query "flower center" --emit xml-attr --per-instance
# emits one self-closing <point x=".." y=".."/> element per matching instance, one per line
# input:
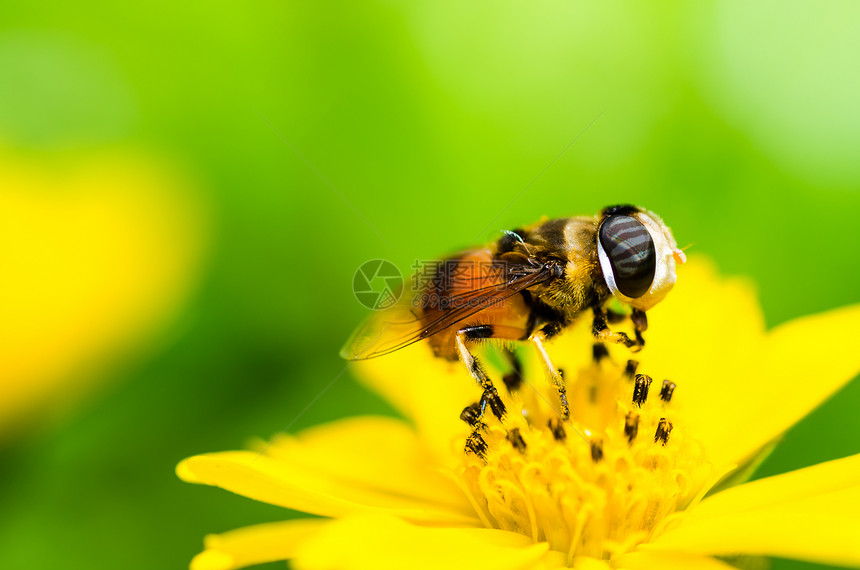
<point x="595" y="485"/>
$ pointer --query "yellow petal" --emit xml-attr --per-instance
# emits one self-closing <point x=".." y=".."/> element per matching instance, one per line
<point x="800" y="364"/>
<point x="377" y="453"/>
<point x="704" y="336"/>
<point x="809" y="514"/>
<point x="386" y="543"/>
<point x="828" y="477"/>
<point x="739" y="387"/>
<point x="709" y="325"/>
<point x="430" y="391"/>
<point x="255" y="544"/>
<point x="668" y="561"/>
<point x="325" y="486"/>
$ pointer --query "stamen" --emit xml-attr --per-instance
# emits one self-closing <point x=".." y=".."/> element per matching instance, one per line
<point x="516" y="439"/>
<point x="471" y="414"/>
<point x="630" y="369"/>
<point x="530" y="474"/>
<point x="631" y="426"/>
<point x="557" y="429"/>
<point x="640" y="340"/>
<point x="667" y="390"/>
<point x="664" y="428"/>
<point x="640" y="320"/>
<point x="640" y="389"/>
<point x="599" y="351"/>
<point x="596" y="450"/>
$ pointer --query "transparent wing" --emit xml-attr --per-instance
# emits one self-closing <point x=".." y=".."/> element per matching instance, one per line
<point x="389" y="330"/>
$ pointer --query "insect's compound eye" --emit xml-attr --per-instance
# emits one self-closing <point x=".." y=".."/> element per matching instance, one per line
<point x="631" y="253"/>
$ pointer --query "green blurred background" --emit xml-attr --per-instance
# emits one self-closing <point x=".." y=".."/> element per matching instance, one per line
<point x="314" y="136"/>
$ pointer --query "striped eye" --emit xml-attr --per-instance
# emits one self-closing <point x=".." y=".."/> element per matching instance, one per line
<point x="631" y="253"/>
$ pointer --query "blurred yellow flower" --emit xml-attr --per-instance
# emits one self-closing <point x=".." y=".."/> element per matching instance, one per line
<point x="98" y="249"/>
<point x="637" y="479"/>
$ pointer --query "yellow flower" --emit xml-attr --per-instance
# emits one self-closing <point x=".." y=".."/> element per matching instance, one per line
<point x="633" y="481"/>
<point x="99" y="249"/>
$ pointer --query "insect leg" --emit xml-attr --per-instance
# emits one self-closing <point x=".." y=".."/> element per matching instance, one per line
<point x="601" y="332"/>
<point x="640" y="324"/>
<point x="489" y="396"/>
<point x="513" y="379"/>
<point x="472" y="415"/>
<point x="614" y="317"/>
<point x="553" y="373"/>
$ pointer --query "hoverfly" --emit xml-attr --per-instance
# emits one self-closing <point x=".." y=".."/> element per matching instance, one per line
<point x="528" y="286"/>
